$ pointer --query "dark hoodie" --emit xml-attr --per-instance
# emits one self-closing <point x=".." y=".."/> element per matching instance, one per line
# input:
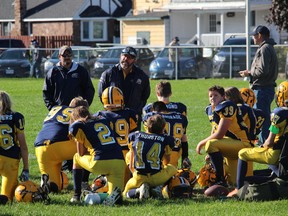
<point x="264" y="68"/>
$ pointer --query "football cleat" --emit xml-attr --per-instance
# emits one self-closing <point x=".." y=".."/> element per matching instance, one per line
<point x="156" y="192"/>
<point x="143" y="191"/>
<point x="75" y="199"/>
<point x="248" y="96"/>
<point x="112" y="98"/>
<point x="45" y="184"/>
<point x="281" y="96"/>
<point x="114" y="197"/>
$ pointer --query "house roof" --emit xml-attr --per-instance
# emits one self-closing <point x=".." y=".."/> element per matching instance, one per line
<point x="219" y="6"/>
<point x="56" y="10"/>
<point x="147" y="16"/>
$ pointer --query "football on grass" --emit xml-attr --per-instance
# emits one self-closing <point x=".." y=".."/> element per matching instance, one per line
<point x="216" y="190"/>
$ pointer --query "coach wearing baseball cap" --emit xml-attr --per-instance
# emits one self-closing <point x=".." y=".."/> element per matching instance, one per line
<point x="66" y="80"/>
<point x="132" y="80"/>
<point x="263" y="75"/>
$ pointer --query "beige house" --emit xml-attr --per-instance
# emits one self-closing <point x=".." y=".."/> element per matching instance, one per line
<point x="202" y="22"/>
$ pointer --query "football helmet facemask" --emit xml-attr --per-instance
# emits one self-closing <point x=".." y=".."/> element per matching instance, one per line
<point x="189" y="175"/>
<point x="112" y="98"/>
<point x="177" y="187"/>
<point x="248" y="96"/>
<point x="28" y="191"/>
<point x="207" y="175"/>
<point x="281" y="96"/>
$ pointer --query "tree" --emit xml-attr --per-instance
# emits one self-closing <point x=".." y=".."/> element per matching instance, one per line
<point x="279" y="14"/>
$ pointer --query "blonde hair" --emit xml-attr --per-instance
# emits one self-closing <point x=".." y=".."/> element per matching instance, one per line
<point x="5" y="103"/>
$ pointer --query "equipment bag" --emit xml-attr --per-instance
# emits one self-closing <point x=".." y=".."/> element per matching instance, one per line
<point x="259" y="192"/>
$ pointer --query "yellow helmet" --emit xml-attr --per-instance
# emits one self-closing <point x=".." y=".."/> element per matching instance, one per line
<point x="112" y="97"/>
<point x="64" y="180"/>
<point x="248" y="96"/>
<point x="177" y="187"/>
<point x="281" y="96"/>
<point x="189" y="175"/>
<point x="28" y="191"/>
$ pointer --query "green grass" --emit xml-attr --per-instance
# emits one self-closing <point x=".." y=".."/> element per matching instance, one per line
<point x="26" y="95"/>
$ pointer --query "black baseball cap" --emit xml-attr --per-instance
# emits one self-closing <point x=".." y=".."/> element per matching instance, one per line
<point x="176" y="39"/>
<point x="260" y="29"/>
<point x="66" y="49"/>
<point x="130" y="51"/>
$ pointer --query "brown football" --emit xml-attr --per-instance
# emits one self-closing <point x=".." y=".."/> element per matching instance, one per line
<point x="216" y="190"/>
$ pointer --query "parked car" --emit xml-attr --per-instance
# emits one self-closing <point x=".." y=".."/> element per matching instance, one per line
<point x="112" y="56"/>
<point x="221" y="60"/>
<point x="192" y="64"/>
<point x="14" y="63"/>
<point x="84" y="55"/>
<point x="6" y="43"/>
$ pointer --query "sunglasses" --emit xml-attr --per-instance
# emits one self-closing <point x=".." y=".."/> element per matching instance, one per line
<point x="66" y="55"/>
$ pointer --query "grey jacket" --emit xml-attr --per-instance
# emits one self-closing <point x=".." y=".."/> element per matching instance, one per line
<point x="264" y="68"/>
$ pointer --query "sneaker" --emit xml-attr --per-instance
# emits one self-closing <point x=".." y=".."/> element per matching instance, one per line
<point x="45" y="184"/>
<point x="114" y="197"/>
<point x="85" y="186"/>
<point x="233" y="193"/>
<point x="75" y="199"/>
<point x="143" y="191"/>
<point x="156" y="192"/>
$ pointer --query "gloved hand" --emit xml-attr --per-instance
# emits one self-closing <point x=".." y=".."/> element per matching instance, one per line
<point x="24" y="175"/>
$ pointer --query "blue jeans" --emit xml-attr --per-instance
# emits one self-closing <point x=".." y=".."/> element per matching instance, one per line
<point x="264" y="98"/>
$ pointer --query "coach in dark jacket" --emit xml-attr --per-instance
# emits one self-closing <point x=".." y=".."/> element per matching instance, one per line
<point x="67" y="80"/>
<point x="133" y="81"/>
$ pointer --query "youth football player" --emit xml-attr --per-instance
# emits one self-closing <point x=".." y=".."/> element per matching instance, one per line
<point x="13" y="147"/>
<point x="150" y="158"/>
<point x="97" y="151"/>
<point x="229" y="133"/>
<point x="270" y="151"/>
<point x="122" y="120"/>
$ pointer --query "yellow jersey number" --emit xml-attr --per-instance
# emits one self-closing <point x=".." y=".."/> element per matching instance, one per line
<point x="104" y="134"/>
<point x="177" y="131"/>
<point x="63" y="117"/>
<point x="152" y="155"/>
<point x="6" y="140"/>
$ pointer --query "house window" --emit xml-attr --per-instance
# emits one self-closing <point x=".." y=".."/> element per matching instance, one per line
<point x="93" y="30"/>
<point x="6" y="28"/>
<point x="143" y="38"/>
<point x="212" y="23"/>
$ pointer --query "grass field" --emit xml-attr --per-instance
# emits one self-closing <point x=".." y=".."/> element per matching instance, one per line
<point x="26" y="95"/>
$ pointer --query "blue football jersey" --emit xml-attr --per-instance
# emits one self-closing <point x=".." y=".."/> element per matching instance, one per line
<point x="122" y="123"/>
<point x="227" y="109"/>
<point x="176" y="125"/>
<point x="11" y="124"/>
<point x="149" y="150"/>
<point x="55" y="126"/>
<point x="171" y="106"/>
<point x="97" y="136"/>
